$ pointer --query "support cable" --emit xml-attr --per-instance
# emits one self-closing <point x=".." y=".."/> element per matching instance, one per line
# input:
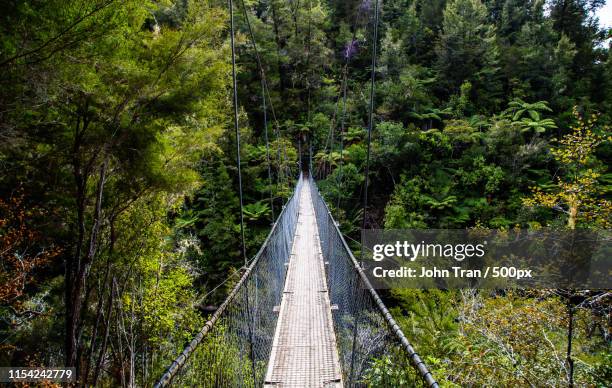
<point x="348" y="54"/>
<point x="251" y="322"/>
<point x="277" y="134"/>
<point x="367" y="173"/>
<point x="265" y="113"/>
<point x="342" y="124"/>
<point x="236" y="128"/>
<point x="371" y="116"/>
<point x="263" y="98"/>
<point x="266" y="92"/>
<point x="310" y="155"/>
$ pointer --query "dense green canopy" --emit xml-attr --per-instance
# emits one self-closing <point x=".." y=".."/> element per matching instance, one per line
<point x="119" y="205"/>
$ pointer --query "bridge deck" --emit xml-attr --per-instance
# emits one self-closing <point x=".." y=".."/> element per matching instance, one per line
<point x="304" y="352"/>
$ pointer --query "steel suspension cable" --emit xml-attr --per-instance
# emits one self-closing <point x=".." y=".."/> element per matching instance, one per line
<point x="342" y="123"/>
<point x="342" y="95"/>
<point x="310" y="154"/>
<point x="263" y="95"/>
<point x="371" y="116"/>
<point x="265" y="113"/>
<point x="330" y="137"/>
<point x="282" y="168"/>
<point x="277" y="133"/>
<point x="236" y="127"/>
<point x="266" y="92"/>
<point x="308" y="49"/>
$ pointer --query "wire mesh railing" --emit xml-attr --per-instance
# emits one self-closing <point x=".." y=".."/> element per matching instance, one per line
<point x="233" y="347"/>
<point x="372" y="348"/>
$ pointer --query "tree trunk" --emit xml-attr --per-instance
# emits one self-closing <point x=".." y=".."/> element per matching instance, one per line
<point x="573" y="214"/>
<point x="77" y="270"/>
<point x="107" y="324"/>
<point x="73" y="262"/>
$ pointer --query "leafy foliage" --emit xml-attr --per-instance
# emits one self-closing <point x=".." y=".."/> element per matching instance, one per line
<point x="579" y="193"/>
<point x="115" y="125"/>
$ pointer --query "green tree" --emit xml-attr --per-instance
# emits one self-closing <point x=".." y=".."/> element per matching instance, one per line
<point x="467" y="51"/>
<point x="575" y="19"/>
<point x="117" y="99"/>
<point x="528" y="115"/>
<point x="578" y="194"/>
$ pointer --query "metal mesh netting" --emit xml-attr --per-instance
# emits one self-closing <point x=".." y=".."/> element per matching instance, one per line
<point x="234" y="346"/>
<point x="373" y="350"/>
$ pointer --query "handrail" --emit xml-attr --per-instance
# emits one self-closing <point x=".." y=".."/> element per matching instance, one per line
<point x="178" y="362"/>
<point x="416" y="359"/>
<point x="289" y="210"/>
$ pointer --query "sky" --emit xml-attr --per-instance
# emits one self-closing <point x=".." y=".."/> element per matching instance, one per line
<point x="605" y="14"/>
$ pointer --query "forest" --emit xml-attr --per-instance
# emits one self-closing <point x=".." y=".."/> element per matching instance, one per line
<point x="120" y="216"/>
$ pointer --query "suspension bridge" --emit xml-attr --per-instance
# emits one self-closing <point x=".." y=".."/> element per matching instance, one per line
<point x="304" y="313"/>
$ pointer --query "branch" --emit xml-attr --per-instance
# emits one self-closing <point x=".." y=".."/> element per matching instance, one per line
<point x="58" y="36"/>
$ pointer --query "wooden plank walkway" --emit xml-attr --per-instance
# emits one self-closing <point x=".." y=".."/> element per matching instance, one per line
<point x="304" y="352"/>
